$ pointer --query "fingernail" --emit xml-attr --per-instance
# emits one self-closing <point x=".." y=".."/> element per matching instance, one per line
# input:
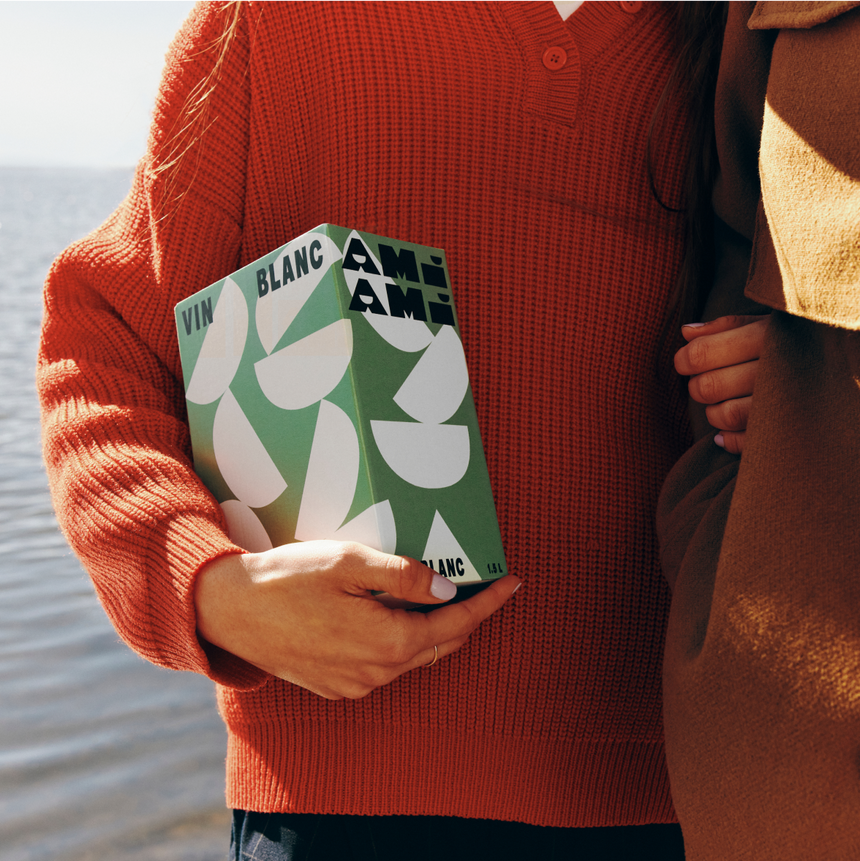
<point x="517" y="587"/>
<point x="692" y="325"/>
<point x="718" y="439"/>
<point x="442" y="588"/>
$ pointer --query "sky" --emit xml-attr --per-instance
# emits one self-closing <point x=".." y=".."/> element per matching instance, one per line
<point x="79" y="78"/>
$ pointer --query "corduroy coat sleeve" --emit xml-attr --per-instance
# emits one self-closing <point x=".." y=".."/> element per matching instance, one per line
<point x="762" y="662"/>
<point x="115" y="439"/>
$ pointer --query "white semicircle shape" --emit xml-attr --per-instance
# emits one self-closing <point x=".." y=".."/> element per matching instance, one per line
<point x="242" y="458"/>
<point x="222" y="347"/>
<point x="403" y="333"/>
<point x="305" y="372"/>
<point x="435" y="388"/>
<point x="331" y="476"/>
<point x="244" y="527"/>
<point x="279" y="307"/>
<point x="374" y="527"/>
<point x="425" y="455"/>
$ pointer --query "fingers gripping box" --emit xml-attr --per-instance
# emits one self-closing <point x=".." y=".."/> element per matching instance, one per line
<point x="328" y="397"/>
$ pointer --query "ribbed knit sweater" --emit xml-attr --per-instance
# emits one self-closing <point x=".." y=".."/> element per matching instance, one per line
<point x="448" y="125"/>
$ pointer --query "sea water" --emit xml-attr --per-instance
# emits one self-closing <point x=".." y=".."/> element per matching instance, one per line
<point x="101" y="754"/>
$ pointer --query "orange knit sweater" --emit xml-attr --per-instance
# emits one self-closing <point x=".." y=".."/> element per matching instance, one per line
<point x="439" y="124"/>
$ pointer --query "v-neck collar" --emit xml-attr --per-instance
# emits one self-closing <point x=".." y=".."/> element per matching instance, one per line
<point x="537" y="27"/>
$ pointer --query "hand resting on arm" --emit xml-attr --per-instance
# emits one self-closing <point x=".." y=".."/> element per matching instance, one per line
<point x="304" y="612"/>
<point x="721" y="360"/>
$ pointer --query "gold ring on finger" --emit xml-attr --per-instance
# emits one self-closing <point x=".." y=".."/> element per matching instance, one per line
<point x="435" y="658"/>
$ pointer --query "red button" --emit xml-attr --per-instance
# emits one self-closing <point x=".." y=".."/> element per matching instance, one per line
<point x="631" y="6"/>
<point x="554" y="58"/>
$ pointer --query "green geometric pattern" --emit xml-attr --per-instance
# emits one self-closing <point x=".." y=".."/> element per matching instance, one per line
<point x="328" y="397"/>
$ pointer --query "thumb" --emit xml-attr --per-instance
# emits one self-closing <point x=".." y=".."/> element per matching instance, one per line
<point x="410" y="581"/>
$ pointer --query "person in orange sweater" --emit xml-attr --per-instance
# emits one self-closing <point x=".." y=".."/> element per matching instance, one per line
<point x="519" y="142"/>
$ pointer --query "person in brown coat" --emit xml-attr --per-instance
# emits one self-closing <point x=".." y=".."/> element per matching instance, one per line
<point x="762" y="659"/>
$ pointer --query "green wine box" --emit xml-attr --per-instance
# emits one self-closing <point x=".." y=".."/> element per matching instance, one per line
<point x="328" y="397"/>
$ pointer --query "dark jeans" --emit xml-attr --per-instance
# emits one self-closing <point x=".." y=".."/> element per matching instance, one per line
<point x="314" y="837"/>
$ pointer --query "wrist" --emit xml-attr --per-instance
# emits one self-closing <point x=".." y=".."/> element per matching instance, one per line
<point x="219" y="593"/>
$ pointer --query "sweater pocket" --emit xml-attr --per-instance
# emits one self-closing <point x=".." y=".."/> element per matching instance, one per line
<point x="806" y="257"/>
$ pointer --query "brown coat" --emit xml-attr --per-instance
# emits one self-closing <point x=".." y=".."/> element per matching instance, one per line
<point x="762" y="665"/>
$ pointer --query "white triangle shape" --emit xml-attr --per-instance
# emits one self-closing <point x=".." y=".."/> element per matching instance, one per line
<point x="443" y="549"/>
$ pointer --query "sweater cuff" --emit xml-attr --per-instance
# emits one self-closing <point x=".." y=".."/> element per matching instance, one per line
<point x="190" y="546"/>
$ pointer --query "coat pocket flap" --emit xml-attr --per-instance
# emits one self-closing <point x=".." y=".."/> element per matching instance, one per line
<point x="806" y="256"/>
<point x="779" y="15"/>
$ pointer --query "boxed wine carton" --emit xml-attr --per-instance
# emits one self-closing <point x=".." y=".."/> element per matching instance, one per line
<point x="328" y="397"/>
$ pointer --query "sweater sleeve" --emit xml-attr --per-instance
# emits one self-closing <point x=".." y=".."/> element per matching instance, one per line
<point x="115" y="439"/>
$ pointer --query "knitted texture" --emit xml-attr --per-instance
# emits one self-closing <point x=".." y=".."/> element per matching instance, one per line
<point x="440" y="125"/>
